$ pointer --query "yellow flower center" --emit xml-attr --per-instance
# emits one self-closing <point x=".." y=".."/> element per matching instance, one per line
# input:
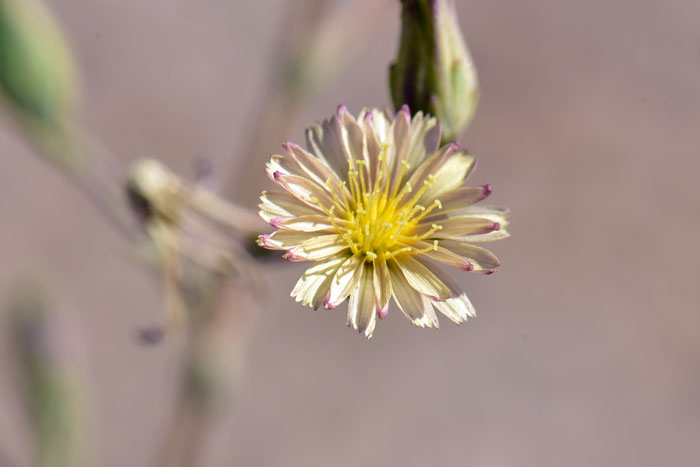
<point x="378" y="219"/>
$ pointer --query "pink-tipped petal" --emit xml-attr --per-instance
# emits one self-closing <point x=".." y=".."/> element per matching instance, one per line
<point x="278" y="221"/>
<point x="263" y="240"/>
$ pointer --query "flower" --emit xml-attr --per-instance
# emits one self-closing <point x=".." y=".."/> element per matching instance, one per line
<point x="376" y="204"/>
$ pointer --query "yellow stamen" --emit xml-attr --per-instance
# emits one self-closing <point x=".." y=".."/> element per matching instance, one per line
<point x="404" y="167"/>
<point x="436" y="204"/>
<point x="434" y="229"/>
<point x="379" y="218"/>
<point x="333" y="193"/>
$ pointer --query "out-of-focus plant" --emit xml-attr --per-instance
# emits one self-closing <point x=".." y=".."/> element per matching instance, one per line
<point x="37" y="73"/>
<point x="184" y="225"/>
<point x="212" y="371"/>
<point x="39" y="88"/>
<point x="433" y="71"/>
<point x="50" y="385"/>
<point x="189" y="225"/>
<point x="38" y="78"/>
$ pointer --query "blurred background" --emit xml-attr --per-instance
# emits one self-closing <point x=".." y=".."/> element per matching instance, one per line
<point x="586" y="347"/>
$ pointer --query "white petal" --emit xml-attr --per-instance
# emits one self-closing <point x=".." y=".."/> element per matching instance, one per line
<point x="461" y="199"/>
<point x="305" y="190"/>
<point x="344" y="281"/>
<point x="499" y="215"/>
<point x="381" y="121"/>
<point x="425" y="138"/>
<point x="458" y="307"/>
<point x="444" y="256"/>
<point x="488" y="211"/>
<point x="398" y="140"/>
<point x="430" y="166"/>
<point x="382" y="282"/>
<point x="314" y="168"/>
<point x="481" y="258"/>
<point x="372" y="142"/>
<point x="362" y="314"/>
<point x="314" y="285"/>
<point x="415" y="306"/>
<point x="449" y="176"/>
<point x="457" y="226"/>
<point x="284" y="239"/>
<point x="488" y="237"/>
<point x="353" y="137"/>
<point x="277" y="203"/>
<point x="284" y="165"/>
<point x="496" y="216"/>
<point x="314" y="223"/>
<point x="317" y="248"/>
<point x="326" y="142"/>
<point x="421" y="278"/>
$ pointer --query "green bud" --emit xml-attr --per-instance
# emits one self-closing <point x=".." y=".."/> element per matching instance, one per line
<point x="433" y="71"/>
<point x="37" y="76"/>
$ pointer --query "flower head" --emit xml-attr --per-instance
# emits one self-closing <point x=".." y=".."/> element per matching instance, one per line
<point x="376" y="204"/>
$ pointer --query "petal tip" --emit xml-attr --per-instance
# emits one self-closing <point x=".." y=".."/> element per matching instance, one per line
<point x="474" y="166"/>
<point x="263" y="240"/>
<point x="293" y="257"/>
<point x="278" y="221"/>
<point x="494" y="226"/>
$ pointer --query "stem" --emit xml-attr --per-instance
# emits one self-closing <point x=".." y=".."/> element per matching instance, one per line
<point x="212" y="368"/>
<point x="91" y="170"/>
<point x="50" y="386"/>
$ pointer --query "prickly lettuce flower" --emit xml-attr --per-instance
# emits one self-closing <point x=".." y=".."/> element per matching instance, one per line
<point x="376" y="205"/>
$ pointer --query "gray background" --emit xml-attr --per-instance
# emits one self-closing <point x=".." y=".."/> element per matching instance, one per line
<point x="586" y="348"/>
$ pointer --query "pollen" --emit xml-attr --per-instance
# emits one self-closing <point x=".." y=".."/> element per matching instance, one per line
<point x="380" y="215"/>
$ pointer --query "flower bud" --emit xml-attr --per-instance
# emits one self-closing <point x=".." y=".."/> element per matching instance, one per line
<point x="37" y="77"/>
<point x="433" y="71"/>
